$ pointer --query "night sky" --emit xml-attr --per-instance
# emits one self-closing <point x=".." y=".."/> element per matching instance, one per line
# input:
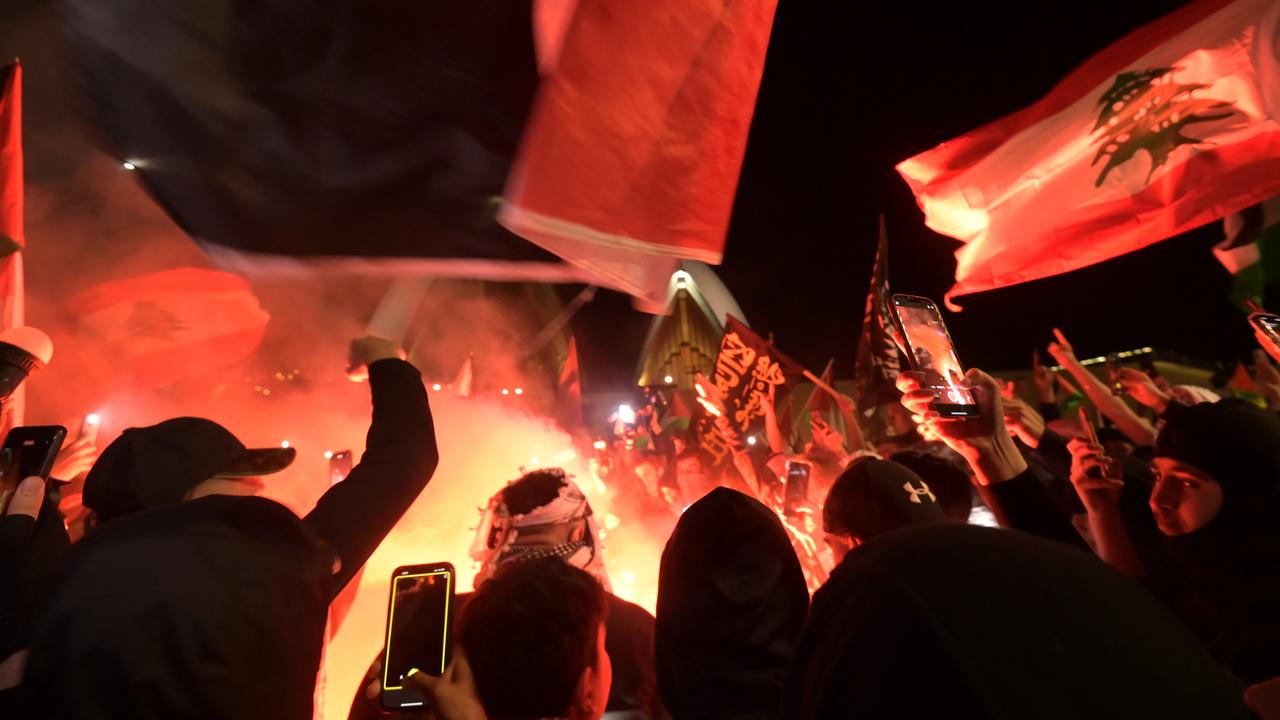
<point x="848" y="92"/>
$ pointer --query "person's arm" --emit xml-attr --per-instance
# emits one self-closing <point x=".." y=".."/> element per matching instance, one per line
<point x="1113" y="407"/>
<point x="777" y="443"/>
<point x="852" y="430"/>
<point x="1002" y="474"/>
<point x="399" y="458"/>
<point x="1021" y="503"/>
<point x="1098" y="482"/>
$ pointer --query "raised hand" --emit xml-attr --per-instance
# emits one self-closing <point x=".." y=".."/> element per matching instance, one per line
<point x="1097" y="478"/>
<point x="451" y="696"/>
<point x="1062" y="350"/>
<point x="1140" y="387"/>
<point x="368" y="350"/>
<point x="1024" y="421"/>
<point x="984" y="441"/>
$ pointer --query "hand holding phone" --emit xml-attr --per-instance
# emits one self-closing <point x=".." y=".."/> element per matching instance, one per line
<point x="982" y="438"/>
<point x="930" y="351"/>
<point x="419" y="614"/>
<point x="27" y="452"/>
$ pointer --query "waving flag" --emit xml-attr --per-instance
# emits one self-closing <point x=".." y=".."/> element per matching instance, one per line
<point x="173" y="324"/>
<point x="631" y="156"/>
<point x="12" y="238"/>
<point x="879" y="361"/>
<point x="1251" y="252"/>
<point x="378" y="138"/>
<point x="1174" y="126"/>
<point x="746" y="368"/>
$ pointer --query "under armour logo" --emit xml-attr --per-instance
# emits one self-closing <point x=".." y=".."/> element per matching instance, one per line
<point x="916" y="493"/>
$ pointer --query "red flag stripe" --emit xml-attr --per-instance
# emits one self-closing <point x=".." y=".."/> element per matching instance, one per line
<point x="955" y="156"/>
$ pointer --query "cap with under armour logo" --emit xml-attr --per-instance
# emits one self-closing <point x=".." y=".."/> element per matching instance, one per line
<point x="875" y="496"/>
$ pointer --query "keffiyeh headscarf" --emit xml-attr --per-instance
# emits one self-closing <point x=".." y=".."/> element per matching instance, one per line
<point x="499" y="528"/>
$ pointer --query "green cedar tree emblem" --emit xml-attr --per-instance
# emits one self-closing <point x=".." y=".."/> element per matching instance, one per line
<point x="1148" y="110"/>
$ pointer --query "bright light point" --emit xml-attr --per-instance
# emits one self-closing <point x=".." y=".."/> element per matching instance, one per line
<point x="128" y="165"/>
<point x="284" y="444"/>
<point x="533" y="460"/>
<point x="436" y="387"/>
<point x="328" y="454"/>
<point x="600" y="445"/>
<point x="519" y="391"/>
<point x="751" y="439"/>
<point x="92" y="419"/>
<point x="681" y="277"/>
<point x="701" y="391"/>
<point x="668" y="379"/>
<point x="506" y="391"/>
<point x="626" y="414"/>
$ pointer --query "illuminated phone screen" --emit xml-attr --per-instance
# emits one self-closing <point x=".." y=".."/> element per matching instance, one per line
<point x="417" y="630"/>
<point x="934" y="355"/>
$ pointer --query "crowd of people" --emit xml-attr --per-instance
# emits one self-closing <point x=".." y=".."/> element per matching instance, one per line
<point x="1135" y="571"/>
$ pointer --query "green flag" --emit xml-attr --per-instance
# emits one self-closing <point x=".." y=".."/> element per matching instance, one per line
<point x="1251" y="252"/>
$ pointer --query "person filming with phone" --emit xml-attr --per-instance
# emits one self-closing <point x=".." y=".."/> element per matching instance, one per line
<point x="1216" y="501"/>
<point x="191" y="598"/>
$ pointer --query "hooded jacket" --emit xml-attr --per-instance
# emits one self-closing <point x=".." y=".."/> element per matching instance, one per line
<point x="959" y="621"/>
<point x="1224" y="578"/>
<point x="731" y="602"/>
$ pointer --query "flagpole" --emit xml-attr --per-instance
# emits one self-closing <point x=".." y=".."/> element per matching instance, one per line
<point x="818" y="381"/>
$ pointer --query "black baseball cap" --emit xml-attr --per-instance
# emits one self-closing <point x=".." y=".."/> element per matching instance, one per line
<point x="158" y="465"/>
<point x="874" y="496"/>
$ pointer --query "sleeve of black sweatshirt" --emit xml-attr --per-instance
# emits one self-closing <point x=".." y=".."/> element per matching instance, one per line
<point x="1022" y="504"/>
<point x="399" y="458"/>
<point x="1049" y="411"/>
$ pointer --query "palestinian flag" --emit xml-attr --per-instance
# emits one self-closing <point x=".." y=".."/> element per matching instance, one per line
<point x="821" y="402"/>
<point x="12" y="237"/>
<point x="1251" y="252"/>
<point x="174" y="324"/>
<point x="1174" y="126"/>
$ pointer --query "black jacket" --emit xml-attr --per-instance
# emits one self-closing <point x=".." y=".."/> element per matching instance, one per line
<point x="216" y="607"/>
<point x="731" y="603"/>
<point x="956" y="621"/>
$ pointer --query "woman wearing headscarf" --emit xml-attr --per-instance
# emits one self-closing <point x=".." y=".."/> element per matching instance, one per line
<point x="1216" y="501"/>
<point x="731" y="604"/>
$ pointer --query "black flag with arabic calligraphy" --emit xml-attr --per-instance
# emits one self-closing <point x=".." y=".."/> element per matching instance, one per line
<point x="879" y="362"/>
<point x="746" y="368"/>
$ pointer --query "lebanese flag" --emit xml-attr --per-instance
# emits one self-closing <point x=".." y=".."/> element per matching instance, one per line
<point x="631" y="154"/>
<point x="1174" y="126"/>
<point x="174" y="324"/>
<point x="12" y="237"/>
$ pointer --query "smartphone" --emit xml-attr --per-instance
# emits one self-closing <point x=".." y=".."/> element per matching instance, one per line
<point x="929" y="350"/>
<point x="419" y="611"/>
<point x="340" y="465"/>
<point x="1086" y="426"/>
<point x="1269" y="327"/>
<point x="1090" y="436"/>
<point x="797" y="489"/>
<point x="27" y="451"/>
